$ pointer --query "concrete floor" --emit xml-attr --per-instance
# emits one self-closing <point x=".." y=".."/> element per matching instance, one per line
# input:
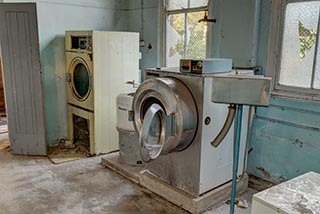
<point x="35" y="185"/>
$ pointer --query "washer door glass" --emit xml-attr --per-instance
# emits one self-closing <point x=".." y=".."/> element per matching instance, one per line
<point x="152" y="136"/>
<point x="81" y="81"/>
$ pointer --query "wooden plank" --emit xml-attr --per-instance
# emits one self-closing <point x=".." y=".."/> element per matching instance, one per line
<point x="130" y="172"/>
<point x="187" y="201"/>
<point x="115" y="61"/>
<point x="22" y="78"/>
<point x="170" y="193"/>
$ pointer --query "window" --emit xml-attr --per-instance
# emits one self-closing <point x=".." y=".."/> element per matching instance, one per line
<point x="298" y="51"/>
<point x="185" y="36"/>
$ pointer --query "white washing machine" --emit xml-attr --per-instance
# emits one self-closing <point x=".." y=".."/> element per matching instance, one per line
<point x="99" y="64"/>
<point x="176" y="122"/>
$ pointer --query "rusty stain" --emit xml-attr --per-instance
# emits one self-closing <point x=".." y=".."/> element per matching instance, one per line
<point x="298" y="142"/>
<point x="264" y="172"/>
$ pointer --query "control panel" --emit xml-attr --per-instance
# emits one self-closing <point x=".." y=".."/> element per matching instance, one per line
<point x="191" y="66"/>
<point x="81" y="42"/>
<point x="205" y="66"/>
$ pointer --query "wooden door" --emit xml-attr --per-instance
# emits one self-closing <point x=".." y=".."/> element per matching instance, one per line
<point x="22" y="78"/>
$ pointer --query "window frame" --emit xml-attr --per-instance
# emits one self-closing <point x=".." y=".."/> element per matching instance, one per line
<point x="278" y="13"/>
<point x="162" y="32"/>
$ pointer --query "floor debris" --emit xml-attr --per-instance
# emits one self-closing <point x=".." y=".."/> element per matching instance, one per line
<point x="4" y="145"/>
<point x="66" y="151"/>
<point x="242" y="204"/>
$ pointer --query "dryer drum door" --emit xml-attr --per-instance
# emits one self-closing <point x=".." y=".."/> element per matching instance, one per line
<point x="165" y="116"/>
<point x="80" y="79"/>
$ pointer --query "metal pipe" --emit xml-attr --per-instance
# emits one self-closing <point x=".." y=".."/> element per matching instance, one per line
<point x="236" y="151"/>
<point x="250" y="121"/>
<point x="225" y="129"/>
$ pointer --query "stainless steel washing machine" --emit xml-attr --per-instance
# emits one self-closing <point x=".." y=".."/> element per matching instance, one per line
<point x="176" y="122"/>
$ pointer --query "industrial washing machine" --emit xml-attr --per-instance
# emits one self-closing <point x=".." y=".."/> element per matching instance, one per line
<point x="176" y="122"/>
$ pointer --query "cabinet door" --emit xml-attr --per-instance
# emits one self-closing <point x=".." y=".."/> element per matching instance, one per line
<point x="115" y="62"/>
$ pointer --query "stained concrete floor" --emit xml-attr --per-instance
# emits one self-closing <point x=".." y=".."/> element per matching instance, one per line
<point x="35" y="185"/>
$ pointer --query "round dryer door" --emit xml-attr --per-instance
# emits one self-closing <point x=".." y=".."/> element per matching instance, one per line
<point x="80" y="79"/>
<point x="165" y="116"/>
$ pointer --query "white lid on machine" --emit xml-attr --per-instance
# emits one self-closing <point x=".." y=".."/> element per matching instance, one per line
<point x="124" y="112"/>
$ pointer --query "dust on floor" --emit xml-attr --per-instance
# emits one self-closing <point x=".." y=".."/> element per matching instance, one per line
<point x="66" y="151"/>
<point x="35" y="185"/>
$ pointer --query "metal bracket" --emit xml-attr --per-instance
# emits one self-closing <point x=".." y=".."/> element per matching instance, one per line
<point x="130" y="115"/>
<point x="170" y="125"/>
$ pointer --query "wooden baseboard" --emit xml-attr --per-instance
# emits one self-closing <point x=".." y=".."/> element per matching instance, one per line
<point x="170" y="193"/>
<point x="187" y="201"/>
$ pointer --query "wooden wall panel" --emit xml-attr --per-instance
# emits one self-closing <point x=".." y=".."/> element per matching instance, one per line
<point x="115" y="61"/>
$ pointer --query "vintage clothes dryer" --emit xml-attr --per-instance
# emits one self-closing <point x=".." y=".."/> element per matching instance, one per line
<point x="98" y="64"/>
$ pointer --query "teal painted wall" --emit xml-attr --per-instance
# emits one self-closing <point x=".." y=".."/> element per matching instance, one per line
<point x="142" y="16"/>
<point x="285" y="138"/>
<point x="235" y="34"/>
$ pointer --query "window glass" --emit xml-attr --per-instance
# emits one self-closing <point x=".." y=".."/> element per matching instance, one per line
<point x="175" y="39"/>
<point x="299" y="42"/>
<point x="184" y="4"/>
<point x="197" y="36"/>
<point x="198" y="3"/>
<point x="181" y="44"/>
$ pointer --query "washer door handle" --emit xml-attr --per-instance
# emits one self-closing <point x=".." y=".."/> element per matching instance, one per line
<point x="90" y="82"/>
<point x="152" y="151"/>
<point x="68" y="77"/>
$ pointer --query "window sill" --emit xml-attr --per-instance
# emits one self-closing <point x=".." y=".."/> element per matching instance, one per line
<point x="300" y="96"/>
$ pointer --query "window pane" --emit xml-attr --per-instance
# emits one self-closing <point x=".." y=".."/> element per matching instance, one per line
<point x="183" y="4"/>
<point x="176" y="4"/>
<point x="198" y="3"/>
<point x="175" y="39"/>
<point x="197" y="36"/>
<point x="299" y="38"/>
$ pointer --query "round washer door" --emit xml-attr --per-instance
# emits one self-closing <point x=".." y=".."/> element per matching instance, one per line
<point x="165" y="116"/>
<point x="80" y="79"/>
